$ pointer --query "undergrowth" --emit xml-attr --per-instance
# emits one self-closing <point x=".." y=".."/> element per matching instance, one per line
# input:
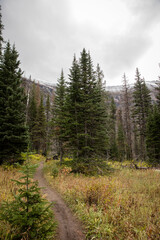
<point x="123" y="205"/>
<point x="9" y="176"/>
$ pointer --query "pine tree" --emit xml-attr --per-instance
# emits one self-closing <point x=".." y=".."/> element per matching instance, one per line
<point x="32" y="114"/>
<point x="39" y="130"/>
<point x="29" y="215"/>
<point x="120" y="136"/>
<point x="48" y="124"/>
<point x="153" y="136"/>
<point x="73" y="109"/>
<point x="59" y="115"/>
<point x="113" y="151"/>
<point x="126" y="103"/>
<point x="87" y="132"/>
<point x="158" y="94"/>
<point x="13" y="133"/>
<point x="141" y="107"/>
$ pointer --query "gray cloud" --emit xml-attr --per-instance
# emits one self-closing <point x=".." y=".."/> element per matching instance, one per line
<point x="46" y="36"/>
<point x="41" y="30"/>
<point x="122" y="52"/>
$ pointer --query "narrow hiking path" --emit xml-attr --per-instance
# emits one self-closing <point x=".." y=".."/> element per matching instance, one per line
<point x="69" y="227"/>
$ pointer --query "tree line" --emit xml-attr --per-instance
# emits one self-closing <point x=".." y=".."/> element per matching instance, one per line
<point x="81" y="120"/>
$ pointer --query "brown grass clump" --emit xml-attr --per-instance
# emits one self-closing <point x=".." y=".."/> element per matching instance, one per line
<point x="7" y="189"/>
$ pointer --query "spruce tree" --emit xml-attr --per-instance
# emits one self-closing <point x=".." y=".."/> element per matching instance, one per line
<point x="88" y="114"/>
<point x="39" y="129"/>
<point x="141" y="107"/>
<point x="92" y="111"/>
<point x="32" y="115"/>
<point x="126" y="103"/>
<point x="73" y="109"/>
<point x="58" y="119"/>
<point x="29" y="215"/>
<point x="13" y="133"/>
<point x="48" y="124"/>
<point x="120" y="137"/>
<point x="153" y="136"/>
<point x="158" y="94"/>
<point x="113" y="151"/>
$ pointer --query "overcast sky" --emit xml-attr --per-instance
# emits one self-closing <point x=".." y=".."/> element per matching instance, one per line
<point x="120" y="35"/>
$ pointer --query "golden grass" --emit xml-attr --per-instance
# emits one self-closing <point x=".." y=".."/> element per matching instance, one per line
<point x="9" y="187"/>
<point x="124" y="205"/>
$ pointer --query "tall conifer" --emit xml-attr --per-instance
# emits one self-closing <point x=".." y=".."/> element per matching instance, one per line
<point x="73" y="109"/>
<point x="113" y="151"/>
<point x="141" y="107"/>
<point x="126" y="103"/>
<point x="48" y="124"/>
<point x="39" y="129"/>
<point x="13" y="134"/>
<point x="120" y="137"/>
<point x="87" y="112"/>
<point x="32" y="114"/>
<point x="59" y="115"/>
<point x="153" y="136"/>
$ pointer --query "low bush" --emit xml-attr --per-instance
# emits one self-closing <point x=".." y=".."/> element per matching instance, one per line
<point x="28" y="215"/>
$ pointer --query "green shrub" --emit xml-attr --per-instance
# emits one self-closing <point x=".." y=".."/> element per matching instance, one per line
<point x="54" y="171"/>
<point x="29" y="215"/>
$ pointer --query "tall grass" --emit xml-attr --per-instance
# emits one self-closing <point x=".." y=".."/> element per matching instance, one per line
<point x="8" y="187"/>
<point x="124" y="205"/>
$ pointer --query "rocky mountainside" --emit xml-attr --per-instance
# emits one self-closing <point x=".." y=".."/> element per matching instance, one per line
<point x="114" y="91"/>
<point x="45" y="88"/>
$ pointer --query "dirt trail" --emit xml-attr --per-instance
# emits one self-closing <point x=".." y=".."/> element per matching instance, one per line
<point x="68" y="226"/>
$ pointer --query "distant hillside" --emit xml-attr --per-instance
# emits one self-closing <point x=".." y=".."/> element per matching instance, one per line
<point x="45" y="88"/>
<point x="114" y="91"/>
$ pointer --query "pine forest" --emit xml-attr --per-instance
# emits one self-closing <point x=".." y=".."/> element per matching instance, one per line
<point x="100" y="155"/>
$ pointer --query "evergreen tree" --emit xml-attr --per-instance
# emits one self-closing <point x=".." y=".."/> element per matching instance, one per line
<point x="88" y="113"/>
<point x="29" y="215"/>
<point x="126" y="103"/>
<point x="120" y="136"/>
<point x="99" y="76"/>
<point x="48" y="124"/>
<point x="32" y="114"/>
<point x="141" y="107"/>
<point x="39" y="130"/>
<point x="73" y="109"/>
<point x="158" y="93"/>
<point x="13" y="134"/>
<point x="153" y="136"/>
<point x="113" y="151"/>
<point x="59" y="115"/>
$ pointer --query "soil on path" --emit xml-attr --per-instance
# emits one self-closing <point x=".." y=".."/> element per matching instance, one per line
<point x="68" y="226"/>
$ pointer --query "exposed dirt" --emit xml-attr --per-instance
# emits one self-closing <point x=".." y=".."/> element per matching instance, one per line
<point x="69" y="227"/>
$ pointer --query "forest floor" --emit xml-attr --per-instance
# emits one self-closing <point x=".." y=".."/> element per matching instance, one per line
<point x="69" y="228"/>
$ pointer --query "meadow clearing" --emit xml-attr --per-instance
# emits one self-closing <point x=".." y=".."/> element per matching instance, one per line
<point x="125" y="204"/>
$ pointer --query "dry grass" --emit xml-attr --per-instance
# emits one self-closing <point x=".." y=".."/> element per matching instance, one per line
<point x="9" y="187"/>
<point x="125" y="205"/>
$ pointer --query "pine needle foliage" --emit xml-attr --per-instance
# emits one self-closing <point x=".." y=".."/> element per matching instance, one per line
<point x="29" y="215"/>
<point x="86" y="114"/>
<point x="13" y="131"/>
